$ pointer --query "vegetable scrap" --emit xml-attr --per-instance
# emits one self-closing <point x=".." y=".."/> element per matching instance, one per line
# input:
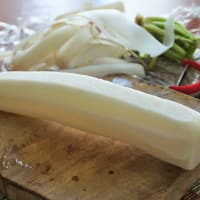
<point x="191" y="63"/>
<point x="87" y="39"/>
<point x="89" y="43"/>
<point x="189" y="88"/>
<point x="185" y="42"/>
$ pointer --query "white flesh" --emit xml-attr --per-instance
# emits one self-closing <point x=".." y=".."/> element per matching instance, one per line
<point x="163" y="128"/>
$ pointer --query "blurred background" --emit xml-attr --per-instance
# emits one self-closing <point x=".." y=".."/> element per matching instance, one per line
<point x="11" y="9"/>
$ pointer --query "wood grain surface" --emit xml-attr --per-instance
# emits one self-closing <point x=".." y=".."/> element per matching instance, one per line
<point x="45" y="160"/>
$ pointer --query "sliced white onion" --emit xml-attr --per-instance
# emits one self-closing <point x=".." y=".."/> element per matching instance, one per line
<point x="91" y="51"/>
<point x="80" y="39"/>
<point x="108" y="60"/>
<point x="115" y="26"/>
<point x="41" y="48"/>
<point x="102" y="70"/>
<point x="72" y="47"/>
<point x="169" y="33"/>
<point x="116" y="5"/>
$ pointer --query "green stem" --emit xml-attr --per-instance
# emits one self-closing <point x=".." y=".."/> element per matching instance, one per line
<point x="197" y="39"/>
<point x="173" y="55"/>
<point x="183" y="31"/>
<point x="152" y="63"/>
<point x="156" y="31"/>
<point x="183" y="39"/>
<point x="178" y="29"/>
<point x="152" y="19"/>
<point x="178" y="49"/>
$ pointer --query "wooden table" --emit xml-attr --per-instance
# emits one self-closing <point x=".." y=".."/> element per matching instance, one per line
<point x="45" y="160"/>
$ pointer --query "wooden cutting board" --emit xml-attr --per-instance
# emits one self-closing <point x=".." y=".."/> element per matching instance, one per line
<point x="45" y="160"/>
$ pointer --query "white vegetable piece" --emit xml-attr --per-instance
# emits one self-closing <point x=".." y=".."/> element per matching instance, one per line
<point x="78" y="40"/>
<point x="163" y="128"/>
<point x="101" y="70"/>
<point x="115" y="5"/>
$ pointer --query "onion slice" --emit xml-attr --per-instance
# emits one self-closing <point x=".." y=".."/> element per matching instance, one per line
<point x="78" y="39"/>
<point x="117" y="27"/>
<point x="102" y="70"/>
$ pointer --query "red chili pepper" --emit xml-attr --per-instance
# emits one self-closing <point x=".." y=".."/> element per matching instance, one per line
<point x="191" y="63"/>
<point x="187" y="89"/>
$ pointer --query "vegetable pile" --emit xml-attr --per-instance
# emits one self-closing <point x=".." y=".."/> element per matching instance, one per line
<point x="92" y="43"/>
<point x="185" y="42"/>
<point x="88" y="39"/>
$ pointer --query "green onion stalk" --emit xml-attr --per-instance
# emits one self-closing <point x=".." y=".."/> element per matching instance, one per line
<point x="185" y="42"/>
